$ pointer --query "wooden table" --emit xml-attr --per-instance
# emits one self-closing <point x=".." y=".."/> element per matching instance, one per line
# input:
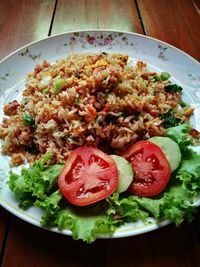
<point x="174" y="21"/>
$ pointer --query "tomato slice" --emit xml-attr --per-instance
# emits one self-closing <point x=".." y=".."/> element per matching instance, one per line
<point x="88" y="176"/>
<point x="151" y="168"/>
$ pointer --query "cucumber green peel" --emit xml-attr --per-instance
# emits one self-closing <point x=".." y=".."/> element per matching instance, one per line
<point x="125" y="173"/>
<point x="170" y="148"/>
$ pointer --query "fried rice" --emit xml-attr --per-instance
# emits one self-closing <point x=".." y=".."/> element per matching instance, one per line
<point x="98" y="100"/>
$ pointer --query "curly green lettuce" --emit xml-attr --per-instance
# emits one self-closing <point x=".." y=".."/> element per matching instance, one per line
<point x="37" y="185"/>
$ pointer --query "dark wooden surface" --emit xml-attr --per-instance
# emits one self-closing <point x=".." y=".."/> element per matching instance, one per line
<point x="4" y="221"/>
<point x="94" y="14"/>
<point x="35" y="247"/>
<point x="174" y="21"/>
<point x="22" y="22"/>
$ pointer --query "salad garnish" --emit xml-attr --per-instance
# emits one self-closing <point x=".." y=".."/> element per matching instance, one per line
<point x="38" y="186"/>
<point x="109" y="143"/>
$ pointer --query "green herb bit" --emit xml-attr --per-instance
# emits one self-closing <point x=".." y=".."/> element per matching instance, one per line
<point x="76" y="74"/>
<point x="28" y="119"/>
<point x="183" y="104"/>
<point x="123" y="114"/>
<point x="156" y="78"/>
<point x="32" y="149"/>
<point x="110" y="118"/>
<point x="169" y="119"/>
<point x="46" y="91"/>
<point x="164" y="76"/>
<point x="77" y="101"/>
<point x="58" y="86"/>
<point x="107" y="93"/>
<point x="173" y="88"/>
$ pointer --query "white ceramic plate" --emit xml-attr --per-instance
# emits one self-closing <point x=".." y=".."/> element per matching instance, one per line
<point x="160" y="57"/>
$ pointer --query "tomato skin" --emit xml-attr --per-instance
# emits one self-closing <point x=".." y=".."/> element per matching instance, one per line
<point x="89" y="175"/>
<point x="151" y="168"/>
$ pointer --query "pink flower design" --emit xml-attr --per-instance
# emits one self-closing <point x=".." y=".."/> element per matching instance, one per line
<point x="107" y="40"/>
<point x="91" y="39"/>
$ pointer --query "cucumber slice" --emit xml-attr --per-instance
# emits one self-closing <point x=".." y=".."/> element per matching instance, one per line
<point x="125" y="173"/>
<point x="170" y="149"/>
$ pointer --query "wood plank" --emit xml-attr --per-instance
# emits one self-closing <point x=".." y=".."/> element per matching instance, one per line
<point x="4" y="215"/>
<point x="22" y="22"/>
<point x="197" y="224"/>
<point x="35" y="247"/>
<point x="169" y="246"/>
<point x="94" y="14"/>
<point x="119" y="15"/>
<point x="31" y="246"/>
<point x="173" y="21"/>
<point x="74" y="15"/>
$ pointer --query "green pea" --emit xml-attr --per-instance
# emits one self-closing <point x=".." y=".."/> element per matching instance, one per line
<point x="164" y="76"/>
<point x="58" y="85"/>
<point x="28" y="119"/>
<point x="46" y="91"/>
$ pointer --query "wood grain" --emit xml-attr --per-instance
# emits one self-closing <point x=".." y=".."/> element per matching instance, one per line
<point x="197" y="224"/>
<point x="96" y="14"/>
<point x="118" y="15"/>
<point x="4" y="215"/>
<point x="169" y="246"/>
<point x="34" y="247"/>
<point x="75" y="15"/>
<point x="22" y="22"/>
<point x="174" y="21"/>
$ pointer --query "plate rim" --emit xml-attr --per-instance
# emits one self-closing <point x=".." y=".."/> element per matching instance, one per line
<point x="144" y="228"/>
<point x="98" y="30"/>
<point x="118" y="233"/>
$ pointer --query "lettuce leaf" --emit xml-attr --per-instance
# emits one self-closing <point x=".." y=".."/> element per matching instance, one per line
<point x="85" y="223"/>
<point x="35" y="182"/>
<point x="37" y="185"/>
<point x="177" y="202"/>
<point x="180" y="134"/>
<point x="127" y="208"/>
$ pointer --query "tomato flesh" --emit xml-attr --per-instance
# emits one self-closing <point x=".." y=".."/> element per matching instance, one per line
<point x="88" y="176"/>
<point x="151" y="168"/>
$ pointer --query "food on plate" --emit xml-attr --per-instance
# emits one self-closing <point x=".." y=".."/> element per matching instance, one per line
<point x="151" y="168"/>
<point x="100" y="100"/>
<point x="109" y="143"/>
<point x="89" y="175"/>
<point x="170" y="149"/>
<point x="125" y="173"/>
<point x="38" y="185"/>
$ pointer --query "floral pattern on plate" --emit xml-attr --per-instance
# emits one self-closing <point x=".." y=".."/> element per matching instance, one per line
<point x="160" y="56"/>
<point x="26" y="52"/>
<point x="97" y="40"/>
